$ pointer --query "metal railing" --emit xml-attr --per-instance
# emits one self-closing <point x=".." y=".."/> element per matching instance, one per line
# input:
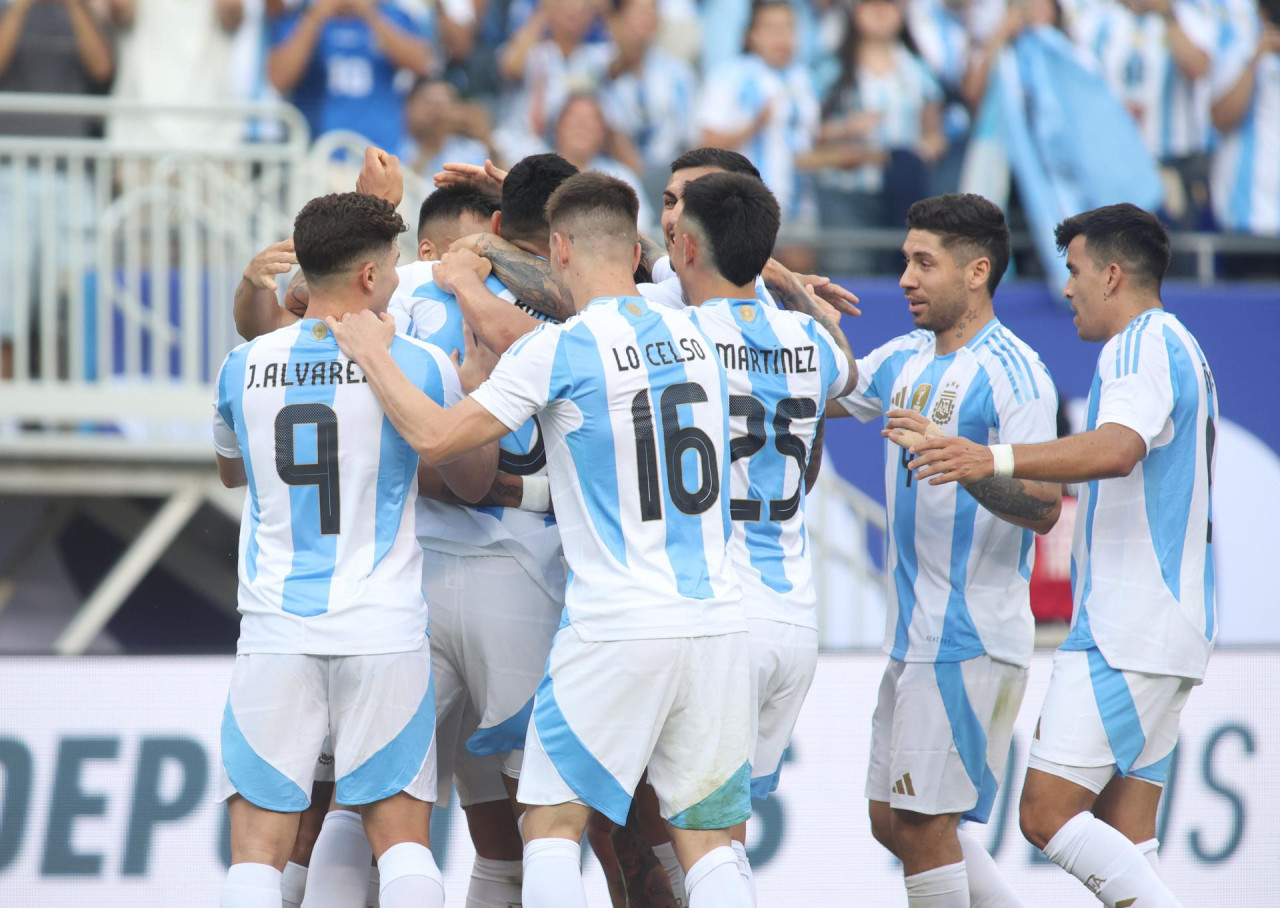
<point x="847" y="528"/>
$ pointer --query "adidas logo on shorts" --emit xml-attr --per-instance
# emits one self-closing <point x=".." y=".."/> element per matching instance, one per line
<point x="903" y="786"/>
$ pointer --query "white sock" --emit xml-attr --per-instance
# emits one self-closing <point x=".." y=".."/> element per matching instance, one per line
<point x="744" y="869"/>
<point x="666" y="855"/>
<point x="987" y="886"/>
<point x="715" y="882"/>
<point x="553" y="874"/>
<point x="292" y="884"/>
<point x="495" y="884"/>
<point x="941" y="887"/>
<point x="374" y="879"/>
<point x="251" y="886"/>
<point x="1151" y="851"/>
<point x="339" y="873"/>
<point x="1108" y="864"/>
<point x="409" y="878"/>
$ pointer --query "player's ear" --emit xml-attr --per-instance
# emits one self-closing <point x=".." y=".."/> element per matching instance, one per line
<point x="427" y="251"/>
<point x="979" y="270"/>
<point x="637" y="252"/>
<point x="368" y="276"/>
<point x="495" y="223"/>
<point x="559" y="249"/>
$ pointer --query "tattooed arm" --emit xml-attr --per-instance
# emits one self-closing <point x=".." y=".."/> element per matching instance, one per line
<point x="523" y="273"/>
<point x="650" y="252"/>
<point x="791" y="294"/>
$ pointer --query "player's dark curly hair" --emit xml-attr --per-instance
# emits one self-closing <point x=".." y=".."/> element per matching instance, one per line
<point x="333" y="233"/>
<point x="738" y="217"/>
<point x="1125" y="234"/>
<point x="969" y="225"/>
<point x="722" y="158"/>
<point x="525" y="193"/>
<point x="453" y="202"/>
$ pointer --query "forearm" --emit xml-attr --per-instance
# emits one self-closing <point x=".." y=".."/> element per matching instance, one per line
<point x="287" y="63"/>
<point x="730" y="139"/>
<point x="1108" y="452"/>
<point x="1189" y="58"/>
<point x="506" y="490"/>
<point x="495" y="321"/>
<point x="650" y="252"/>
<point x="527" y="276"/>
<point x="815" y="456"/>
<point x="511" y="61"/>
<point x="1034" y="505"/>
<point x="92" y="46"/>
<point x="471" y="476"/>
<point x="11" y="22"/>
<point x="1231" y="108"/>
<point x="403" y="49"/>
<point x="790" y="294"/>
<point x="256" y="311"/>
<point x="414" y="414"/>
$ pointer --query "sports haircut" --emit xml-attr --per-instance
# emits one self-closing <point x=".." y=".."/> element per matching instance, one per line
<point x="453" y="201"/>
<point x="970" y="226"/>
<point x="525" y="193"/>
<point x="737" y="217"/>
<point x="722" y="158"/>
<point x="1125" y="234"/>
<point x="333" y="233"/>
<point x="596" y="204"/>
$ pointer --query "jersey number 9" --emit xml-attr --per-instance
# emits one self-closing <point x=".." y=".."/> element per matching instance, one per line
<point x="323" y="471"/>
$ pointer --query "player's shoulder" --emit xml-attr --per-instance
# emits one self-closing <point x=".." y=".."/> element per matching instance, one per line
<point x="1012" y="366"/>
<point x="405" y="347"/>
<point x="1123" y="353"/>
<point x="416" y="278"/>
<point x="916" y="341"/>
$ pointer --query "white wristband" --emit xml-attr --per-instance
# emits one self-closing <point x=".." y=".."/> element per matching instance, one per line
<point x="537" y="494"/>
<point x="1003" y="456"/>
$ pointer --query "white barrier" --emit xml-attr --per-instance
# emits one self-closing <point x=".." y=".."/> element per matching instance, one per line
<point x="108" y="765"/>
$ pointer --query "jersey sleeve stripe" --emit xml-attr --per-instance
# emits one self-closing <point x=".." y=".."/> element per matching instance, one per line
<point x="1008" y="371"/>
<point x="1015" y="347"/>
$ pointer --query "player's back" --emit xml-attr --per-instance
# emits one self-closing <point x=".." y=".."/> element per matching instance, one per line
<point x="328" y="560"/>
<point x="781" y="367"/>
<point x="634" y="414"/>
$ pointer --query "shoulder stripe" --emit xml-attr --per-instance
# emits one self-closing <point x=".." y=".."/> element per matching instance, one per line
<point x="1137" y="343"/>
<point x="1008" y="370"/>
<point x="1021" y="366"/>
<point x="1016" y="345"/>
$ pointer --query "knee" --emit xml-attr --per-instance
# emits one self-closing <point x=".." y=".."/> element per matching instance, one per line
<point x="1036" y="818"/>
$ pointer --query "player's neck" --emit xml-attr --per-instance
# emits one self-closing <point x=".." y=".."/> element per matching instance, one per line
<point x="976" y="316"/>
<point x="601" y="283"/>
<point x="1130" y="309"/>
<point x="323" y="306"/>
<point x="698" y="288"/>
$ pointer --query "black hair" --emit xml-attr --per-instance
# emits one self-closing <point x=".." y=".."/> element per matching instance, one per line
<point x="333" y="232"/>
<point x="1270" y="11"/>
<point x="454" y="201"/>
<point x="722" y="158"/>
<point x="593" y="193"/>
<point x="969" y="221"/>
<point x="843" y="92"/>
<point x="525" y="193"/>
<point x="1125" y="234"/>
<point x="739" y="218"/>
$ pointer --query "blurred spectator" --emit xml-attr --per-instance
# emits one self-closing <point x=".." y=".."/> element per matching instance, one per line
<point x="725" y="24"/>
<point x="884" y="101"/>
<point x="337" y="60"/>
<point x="60" y="47"/>
<point x="650" y="93"/>
<point x="1156" y="56"/>
<point x="442" y="128"/>
<point x="548" y="59"/>
<point x="763" y="105"/>
<point x="174" y="53"/>
<point x="1246" y="110"/>
<point x="585" y="141"/>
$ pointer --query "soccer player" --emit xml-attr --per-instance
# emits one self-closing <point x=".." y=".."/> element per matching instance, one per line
<point x="781" y="368"/>
<point x="333" y="628"/>
<point x="650" y="666"/>
<point x="1142" y="560"/>
<point x="959" y="630"/>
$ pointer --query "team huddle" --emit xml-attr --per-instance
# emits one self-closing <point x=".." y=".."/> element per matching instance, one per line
<point x="597" y="488"/>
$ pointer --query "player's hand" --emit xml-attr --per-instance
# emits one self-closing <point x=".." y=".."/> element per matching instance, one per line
<point x="278" y="258"/>
<point x="477" y="361"/>
<point x="473" y="243"/>
<point x="298" y="297"/>
<point x="490" y="176"/>
<point x="943" y="459"/>
<point x="907" y="427"/>
<point x="842" y="300"/>
<point x="381" y="176"/>
<point x="363" y="335"/>
<point x="459" y="265"/>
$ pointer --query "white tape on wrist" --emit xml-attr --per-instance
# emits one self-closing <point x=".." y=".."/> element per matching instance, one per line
<point x="537" y="494"/>
<point x="1003" y="455"/>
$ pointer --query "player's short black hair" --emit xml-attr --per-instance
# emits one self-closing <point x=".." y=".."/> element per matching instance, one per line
<point x="594" y="195"/>
<point x="1270" y="11"/>
<point x="723" y="158"/>
<point x="454" y="201"/>
<point x="333" y="232"/>
<point x="525" y="193"/>
<point x="969" y="224"/>
<point x="738" y="217"/>
<point x="1125" y="234"/>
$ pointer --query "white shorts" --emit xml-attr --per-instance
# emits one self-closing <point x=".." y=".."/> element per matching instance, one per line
<point x="940" y="735"/>
<point x="680" y="706"/>
<point x="491" y="630"/>
<point x="783" y="660"/>
<point x="379" y="711"/>
<point x="478" y="779"/>
<point x="1098" y="721"/>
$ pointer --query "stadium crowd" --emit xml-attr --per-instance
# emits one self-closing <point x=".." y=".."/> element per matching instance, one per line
<point x="851" y="110"/>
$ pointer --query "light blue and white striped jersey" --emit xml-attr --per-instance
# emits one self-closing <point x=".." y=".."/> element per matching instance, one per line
<point x="634" y="412"/>
<point x="653" y="105"/>
<point x="958" y="575"/>
<point x="1245" y="175"/>
<point x="667" y="290"/>
<point x="735" y="94"/>
<point x="328" y="560"/>
<point x="429" y="313"/>
<point x="1142" y="557"/>
<point x="781" y="367"/>
<point x="1172" y="111"/>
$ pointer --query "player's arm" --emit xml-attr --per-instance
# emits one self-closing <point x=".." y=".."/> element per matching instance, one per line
<point x="791" y="294"/>
<point x="256" y="309"/>
<point x="231" y="472"/>
<point x="497" y="323"/>
<point x="404" y="48"/>
<point x="524" y="274"/>
<point x="287" y="62"/>
<point x="506" y="490"/>
<point x="439" y="436"/>
<point x="1032" y="502"/>
<point x="650" y="252"/>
